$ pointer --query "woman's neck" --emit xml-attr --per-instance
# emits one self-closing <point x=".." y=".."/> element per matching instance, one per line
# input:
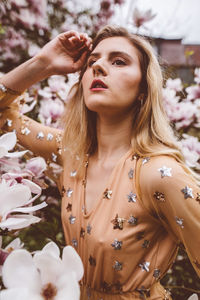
<point x="113" y="136"/>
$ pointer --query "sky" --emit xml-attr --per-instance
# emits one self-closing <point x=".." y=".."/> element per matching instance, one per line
<point x="174" y="19"/>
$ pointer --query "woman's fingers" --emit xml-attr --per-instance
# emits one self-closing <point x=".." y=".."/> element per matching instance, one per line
<point x="72" y="39"/>
<point x="80" y="61"/>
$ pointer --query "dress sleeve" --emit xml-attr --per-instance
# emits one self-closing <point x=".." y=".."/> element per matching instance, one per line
<point x="171" y="194"/>
<point x="40" y="139"/>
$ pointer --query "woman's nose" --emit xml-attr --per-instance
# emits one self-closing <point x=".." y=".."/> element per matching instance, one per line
<point x="99" y="68"/>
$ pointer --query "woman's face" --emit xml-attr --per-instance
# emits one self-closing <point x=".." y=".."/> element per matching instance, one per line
<point x="112" y="79"/>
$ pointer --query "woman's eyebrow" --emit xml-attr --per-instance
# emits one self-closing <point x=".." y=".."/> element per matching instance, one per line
<point x="112" y="54"/>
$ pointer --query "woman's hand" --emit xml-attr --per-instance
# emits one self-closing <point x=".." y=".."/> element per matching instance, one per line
<point x="66" y="53"/>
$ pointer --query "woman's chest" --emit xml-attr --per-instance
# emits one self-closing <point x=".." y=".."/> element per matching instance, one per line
<point x="111" y="208"/>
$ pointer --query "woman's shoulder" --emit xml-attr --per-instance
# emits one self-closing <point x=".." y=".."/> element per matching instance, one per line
<point x="158" y="170"/>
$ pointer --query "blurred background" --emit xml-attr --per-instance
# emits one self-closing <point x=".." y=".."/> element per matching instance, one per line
<point x="173" y="29"/>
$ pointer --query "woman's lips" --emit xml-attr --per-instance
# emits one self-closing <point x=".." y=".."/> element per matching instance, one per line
<point x="98" y="85"/>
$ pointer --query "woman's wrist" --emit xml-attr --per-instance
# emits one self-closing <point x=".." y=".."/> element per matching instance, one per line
<point x="25" y="75"/>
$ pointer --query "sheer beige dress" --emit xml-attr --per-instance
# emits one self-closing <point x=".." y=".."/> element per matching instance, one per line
<point x="127" y="243"/>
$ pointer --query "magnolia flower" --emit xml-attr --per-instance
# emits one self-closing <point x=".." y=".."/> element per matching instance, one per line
<point x="193" y="297"/>
<point x="36" y="166"/>
<point x="15" y="244"/>
<point x="174" y="84"/>
<point x="57" y="83"/>
<point x="141" y="17"/>
<point x="45" y="276"/>
<point x="50" y="111"/>
<point x="27" y="103"/>
<point x="7" y="143"/>
<point x="15" y="199"/>
<point x="193" y="92"/>
<point x="29" y="19"/>
<point x="190" y="147"/>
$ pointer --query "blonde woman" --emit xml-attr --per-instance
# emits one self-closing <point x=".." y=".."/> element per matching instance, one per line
<point x="128" y="199"/>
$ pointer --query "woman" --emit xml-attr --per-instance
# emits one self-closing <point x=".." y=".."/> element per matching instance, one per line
<point x="128" y="200"/>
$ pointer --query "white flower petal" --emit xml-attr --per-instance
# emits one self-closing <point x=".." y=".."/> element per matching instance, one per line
<point x="3" y="151"/>
<point x="29" y="208"/>
<point x="36" y="165"/>
<point x="193" y="297"/>
<point x="15" y="244"/>
<point x="19" y="221"/>
<point x="50" y="268"/>
<point x="20" y="271"/>
<point x="19" y="294"/>
<point x="16" y="154"/>
<point x="72" y="262"/>
<point x="12" y="197"/>
<point x="35" y="188"/>
<point x="8" y="140"/>
<point x="70" y="289"/>
<point x="52" y="249"/>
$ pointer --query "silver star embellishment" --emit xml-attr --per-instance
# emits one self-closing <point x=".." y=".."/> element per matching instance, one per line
<point x="145" y="266"/>
<point x="69" y="192"/>
<point x="72" y="219"/>
<point x="89" y="228"/>
<point x="117" y="266"/>
<point x="165" y="171"/>
<point x="40" y="135"/>
<point x="107" y="194"/>
<point x="145" y="160"/>
<point x="74" y="243"/>
<point x="49" y="137"/>
<point x="25" y="131"/>
<point x="187" y="191"/>
<point x="179" y="222"/>
<point x="54" y="157"/>
<point x="9" y="122"/>
<point x="156" y="273"/>
<point x="132" y="197"/>
<point x="117" y="244"/>
<point x="130" y="174"/>
<point x="73" y="173"/>
<point x="132" y="220"/>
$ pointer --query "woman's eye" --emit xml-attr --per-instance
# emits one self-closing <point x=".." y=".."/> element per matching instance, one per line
<point x="119" y="62"/>
<point x="91" y="62"/>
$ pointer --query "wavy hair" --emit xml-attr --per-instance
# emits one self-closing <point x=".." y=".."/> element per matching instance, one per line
<point x="151" y="131"/>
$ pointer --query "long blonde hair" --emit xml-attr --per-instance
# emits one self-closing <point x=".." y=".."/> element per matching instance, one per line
<point x="151" y="131"/>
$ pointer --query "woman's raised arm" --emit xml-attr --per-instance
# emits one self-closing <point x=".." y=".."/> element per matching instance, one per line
<point x="64" y="54"/>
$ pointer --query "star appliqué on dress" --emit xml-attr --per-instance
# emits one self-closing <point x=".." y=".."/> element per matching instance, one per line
<point x="165" y="171"/>
<point x="187" y="191"/>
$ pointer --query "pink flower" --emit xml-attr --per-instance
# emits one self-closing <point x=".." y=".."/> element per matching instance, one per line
<point x="39" y="7"/>
<point x="33" y="49"/>
<point x="7" y="143"/>
<point x="174" y="84"/>
<point x="50" y="111"/>
<point x="193" y="92"/>
<point x="120" y="2"/>
<point x="184" y="115"/>
<point x="190" y="147"/>
<point x="16" y="199"/>
<point x="27" y="103"/>
<point x="141" y="17"/>
<point x="36" y="166"/>
<point x="105" y="4"/>
<point x="30" y="19"/>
